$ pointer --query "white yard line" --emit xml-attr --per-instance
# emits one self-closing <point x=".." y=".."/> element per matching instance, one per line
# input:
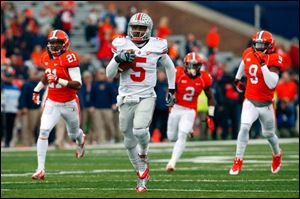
<point x="163" y="145"/>
<point x="167" y="190"/>
<point x="176" y="180"/>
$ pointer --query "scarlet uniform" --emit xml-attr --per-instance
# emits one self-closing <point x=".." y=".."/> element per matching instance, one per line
<point x="59" y="66"/>
<point x="256" y="88"/>
<point x="188" y="90"/>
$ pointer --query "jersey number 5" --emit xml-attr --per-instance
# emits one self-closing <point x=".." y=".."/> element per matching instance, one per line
<point x="253" y="71"/>
<point x="140" y="73"/>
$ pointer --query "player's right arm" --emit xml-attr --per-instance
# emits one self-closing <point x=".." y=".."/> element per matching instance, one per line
<point x="240" y="86"/>
<point x="38" y="88"/>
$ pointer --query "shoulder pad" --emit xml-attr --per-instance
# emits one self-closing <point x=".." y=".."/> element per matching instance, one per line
<point x="247" y="51"/>
<point x="118" y="44"/>
<point x="45" y="59"/>
<point x="158" y="45"/>
<point x="276" y="60"/>
<point x="206" y="78"/>
<point x="70" y="59"/>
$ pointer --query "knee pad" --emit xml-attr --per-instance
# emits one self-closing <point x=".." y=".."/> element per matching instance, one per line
<point x="130" y="142"/>
<point x="268" y="134"/>
<point x="44" y="133"/>
<point x="172" y="136"/>
<point x="141" y="133"/>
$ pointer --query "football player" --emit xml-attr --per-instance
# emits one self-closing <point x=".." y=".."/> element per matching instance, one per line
<point x="261" y="65"/>
<point x="136" y="99"/>
<point x="62" y="75"/>
<point x="190" y="82"/>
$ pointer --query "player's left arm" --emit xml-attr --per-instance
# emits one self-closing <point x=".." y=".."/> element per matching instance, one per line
<point x="270" y="75"/>
<point x="75" y="82"/>
<point x="166" y="61"/>
<point x="211" y="101"/>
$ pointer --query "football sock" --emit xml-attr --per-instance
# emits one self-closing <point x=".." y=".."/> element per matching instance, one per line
<point x="179" y="146"/>
<point x="42" y="146"/>
<point x="79" y="137"/>
<point x="134" y="157"/>
<point x="274" y="144"/>
<point x="143" y="137"/>
<point x="242" y="140"/>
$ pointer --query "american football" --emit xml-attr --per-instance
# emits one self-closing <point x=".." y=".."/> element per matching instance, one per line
<point x="97" y="96"/>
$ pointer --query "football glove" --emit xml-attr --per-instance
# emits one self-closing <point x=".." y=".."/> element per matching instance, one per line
<point x="240" y="86"/>
<point x="171" y="100"/>
<point x="51" y="78"/>
<point x="210" y="122"/>
<point x="36" y="97"/>
<point x="262" y="58"/>
<point x="125" y="56"/>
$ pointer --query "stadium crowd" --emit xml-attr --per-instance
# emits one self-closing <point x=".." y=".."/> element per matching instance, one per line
<point x="24" y="37"/>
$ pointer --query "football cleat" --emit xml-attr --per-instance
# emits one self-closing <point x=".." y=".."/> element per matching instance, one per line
<point x="39" y="175"/>
<point x="236" y="167"/>
<point x="141" y="182"/>
<point x="276" y="162"/>
<point x="170" y="167"/>
<point x="80" y="148"/>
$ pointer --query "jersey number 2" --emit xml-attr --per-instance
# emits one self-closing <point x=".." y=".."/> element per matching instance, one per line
<point x="138" y="69"/>
<point x="190" y="94"/>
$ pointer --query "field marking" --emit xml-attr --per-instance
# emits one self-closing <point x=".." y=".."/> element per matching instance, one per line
<point x="121" y="171"/>
<point x="168" y="190"/>
<point x="164" y="145"/>
<point x="176" y="180"/>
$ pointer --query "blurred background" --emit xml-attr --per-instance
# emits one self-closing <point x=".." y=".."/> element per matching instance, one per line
<point x="219" y="30"/>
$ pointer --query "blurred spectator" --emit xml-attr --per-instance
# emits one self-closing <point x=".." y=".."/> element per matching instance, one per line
<point x="30" y="112"/>
<point x="163" y="29"/>
<point x="67" y="14"/>
<point x="30" y="21"/>
<point x="212" y="40"/>
<point x="121" y="22"/>
<point x="191" y="43"/>
<point x="105" y="32"/>
<point x="104" y="98"/>
<point x="85" y="99"/>
<point x="86" y="64"/>
<point x="11" y="42"/>
<point x="287" y="94"/>
<point x="111" y="13"/>
<point x="36" y="56"/>
<point x="173" y="52"/>
<point x="19" y="67"/>
<point x="91" y="27"/>
<point x="45" y="19"/>
<point x="161" y="112"/>
<point x="294" y="53"/>
<point x="10" y="102"/>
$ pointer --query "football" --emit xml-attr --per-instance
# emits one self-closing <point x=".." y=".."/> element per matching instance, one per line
<point x="124" y="66"/>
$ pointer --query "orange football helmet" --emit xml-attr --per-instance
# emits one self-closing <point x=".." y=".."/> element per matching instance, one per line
<point x="192" y="63"/>
<point x="58" y="42"/>
<point x="263" y="41"/>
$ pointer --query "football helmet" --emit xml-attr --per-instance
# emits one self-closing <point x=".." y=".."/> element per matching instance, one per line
<point x="140" y="27"/>
<point x="192" y="63"/>
<point x="263" y="41"/>
<point x="58" y="42"/>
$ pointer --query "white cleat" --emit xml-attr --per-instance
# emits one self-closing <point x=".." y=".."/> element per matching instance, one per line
<point x="80" y="148"/>
<point x="39" y="175"/>
<point x="170" y="167"/>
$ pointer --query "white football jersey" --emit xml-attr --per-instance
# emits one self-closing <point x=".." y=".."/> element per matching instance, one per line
<point x="140" y="79"/>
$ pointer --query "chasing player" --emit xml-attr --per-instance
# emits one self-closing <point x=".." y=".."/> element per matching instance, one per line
<point x="190" y="82"/>
<point x="261" y="64"/>
<point x="62" y="75"/>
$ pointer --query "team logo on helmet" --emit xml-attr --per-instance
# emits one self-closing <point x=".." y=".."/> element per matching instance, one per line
<point x="140" y="27"/>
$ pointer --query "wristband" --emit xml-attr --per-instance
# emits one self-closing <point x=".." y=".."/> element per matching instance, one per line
<point x="211" y="111"/>
<point x="39" y="87"/>
<point x="63" y="82"/>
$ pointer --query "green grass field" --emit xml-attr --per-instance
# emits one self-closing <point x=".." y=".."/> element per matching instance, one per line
<point x="106" y="172"/>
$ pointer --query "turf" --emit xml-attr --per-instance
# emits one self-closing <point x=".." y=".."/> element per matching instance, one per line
<point x="106" y="172"/>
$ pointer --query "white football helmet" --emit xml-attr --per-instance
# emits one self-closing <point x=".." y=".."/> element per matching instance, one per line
<point x="140" y="27"/>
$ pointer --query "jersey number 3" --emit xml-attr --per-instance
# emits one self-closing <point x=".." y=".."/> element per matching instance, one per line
<point x="140" y="73"/>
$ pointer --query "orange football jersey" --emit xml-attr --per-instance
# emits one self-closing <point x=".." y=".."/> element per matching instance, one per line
<point x="256" y="88"/>
<point x="59" y="66"/>
<point x="188" y="90"/>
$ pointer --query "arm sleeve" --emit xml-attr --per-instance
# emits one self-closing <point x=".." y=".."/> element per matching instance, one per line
<point x="112" y="68"/>
<point x="166" y="61"/>
<point x="271" y="78"/>
<point x="75" y="74"/>
<point x="240" y="71"/>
